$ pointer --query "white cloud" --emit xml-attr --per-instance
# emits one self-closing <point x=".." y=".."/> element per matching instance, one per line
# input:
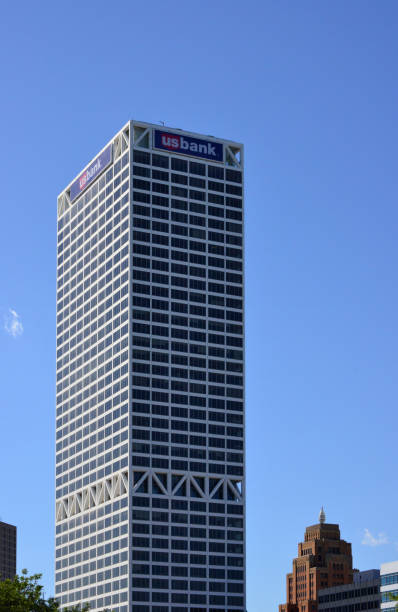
<point x="13" y="324"/>
<point x="371" y="540"/>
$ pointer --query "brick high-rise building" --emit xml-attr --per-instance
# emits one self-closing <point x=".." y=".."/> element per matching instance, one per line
<point x="324" y="560"/>
<point x="8" y="551"/>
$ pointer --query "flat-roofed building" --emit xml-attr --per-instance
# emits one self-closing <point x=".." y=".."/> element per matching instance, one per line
<point x="150" y="508"/>
<point x="388" y="585"/>
<point x="8" y="551"/>
<point x="362" y="594"/>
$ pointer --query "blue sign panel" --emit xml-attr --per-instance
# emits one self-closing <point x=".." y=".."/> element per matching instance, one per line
<point x="91" y="173"/>
<point x="187" y="145"/>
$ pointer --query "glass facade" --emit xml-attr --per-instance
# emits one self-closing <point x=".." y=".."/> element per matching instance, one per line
<point x="150" y="412"/>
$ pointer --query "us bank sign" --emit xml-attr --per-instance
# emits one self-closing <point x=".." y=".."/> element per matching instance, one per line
<point x="95" y="168"/>
<point x="188" y="145"/>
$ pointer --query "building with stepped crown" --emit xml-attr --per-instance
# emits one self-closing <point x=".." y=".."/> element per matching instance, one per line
<point x="323" y="560"/>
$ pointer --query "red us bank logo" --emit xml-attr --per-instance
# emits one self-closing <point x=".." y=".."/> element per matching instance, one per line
<point x="171" y="141"/>
<point x="83" y="181"/>
<point x="188" y="145"/>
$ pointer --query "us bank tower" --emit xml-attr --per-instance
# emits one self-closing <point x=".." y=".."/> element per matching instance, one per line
<point x="150" y="494"/>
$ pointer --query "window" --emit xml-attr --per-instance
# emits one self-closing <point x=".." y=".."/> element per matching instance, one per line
<point x="196" y="168"/>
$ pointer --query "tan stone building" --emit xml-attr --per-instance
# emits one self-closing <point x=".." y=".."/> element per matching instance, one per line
<point x="324" y="560"/>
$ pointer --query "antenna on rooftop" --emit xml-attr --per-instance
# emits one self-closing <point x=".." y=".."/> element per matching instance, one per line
<point x="162" y="123"/>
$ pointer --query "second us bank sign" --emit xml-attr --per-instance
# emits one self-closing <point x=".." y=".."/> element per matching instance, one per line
<point x="188" y="145"/>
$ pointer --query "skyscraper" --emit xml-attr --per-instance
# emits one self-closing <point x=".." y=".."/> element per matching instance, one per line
<point x="150" y="506"/>
<point x="324" y="560"/>
<point x="8" y="551"/>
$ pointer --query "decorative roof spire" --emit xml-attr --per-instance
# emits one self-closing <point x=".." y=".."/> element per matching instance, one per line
<point x="322" y="516"/>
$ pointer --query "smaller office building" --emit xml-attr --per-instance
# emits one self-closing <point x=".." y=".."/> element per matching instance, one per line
<point x="388" y="585"/>
<point x="8" y="551"/>
<point x="362" y="594"/>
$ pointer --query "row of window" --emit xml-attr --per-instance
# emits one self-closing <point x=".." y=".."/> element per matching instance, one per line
<point x="195" y="466"/>
<point x="215" y="204"/>
<point x="183" y="192"/>
<point x="193" y="245"/>
<point x="195" y="608"/>
<point x="178" y="281"/>
<point x="177" y="385"/>
<point x="182" y="571"/>
<point x="194" y="258"/>
<point x="183" y="269"/>
<point x="193" y="335"/>
<point x="141" y="501"/>
<point x="181" y="165"/>
<point x="199" y="218"/>
<point x="350" y="594"/>
<point x="184" y="347"/>
<point x="158" y="370"/>
<point x="179" y="598"/>
<point x="177" y="398"/>
<point x="178" y="425"/>
<point x="365" y="605"/>
<point x="109" y="586"/>
<point x="185" y="585"/>
<point x="195" y="533"/>
<point x="101" y="602"/>
<point x="386" y="596"/>
<point x="389" y="579"/>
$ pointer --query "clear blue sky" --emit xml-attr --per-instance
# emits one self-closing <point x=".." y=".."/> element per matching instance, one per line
<point x="311" y="89"/>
